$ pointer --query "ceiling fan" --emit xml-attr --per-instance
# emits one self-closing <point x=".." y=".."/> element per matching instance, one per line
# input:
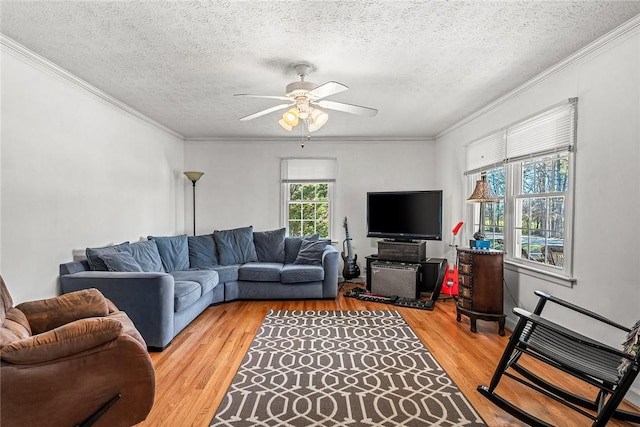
<point x="304" y="100"/>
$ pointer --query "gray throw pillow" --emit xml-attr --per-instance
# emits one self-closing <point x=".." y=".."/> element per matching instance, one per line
<point x="93" y="255"/>
<point x="292" y="247"/>
<point x="174" y="252"/>
<point x="146" y="254"/>
<point x="202" y="251"/>
<point x="270" y="245"/>
<point x="235" y="246"/>
<point x="311" y="252"/>
<point x="120" y="261"/>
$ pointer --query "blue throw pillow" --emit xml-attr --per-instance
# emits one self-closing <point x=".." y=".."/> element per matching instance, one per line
<point x="146" y="254"/>
<point x="235" y="246"/>
<point x="270" y="245"/>
<point x="120" y="261"/>
<point x="292" y="247"/>
<point x="93" y="255"/>
<point x="311" y="252"/>
<point x="202" y="251"/>
<point x="174" y="252"/>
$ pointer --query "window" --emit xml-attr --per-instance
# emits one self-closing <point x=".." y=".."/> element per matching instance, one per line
<point x="308" y="209"/>
<point x="539" y="206"/>
<point x="308" y="196"/>
<point x="529" y="166"/>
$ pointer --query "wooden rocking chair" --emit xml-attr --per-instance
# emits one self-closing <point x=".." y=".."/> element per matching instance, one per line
<point x="610" y="370"/>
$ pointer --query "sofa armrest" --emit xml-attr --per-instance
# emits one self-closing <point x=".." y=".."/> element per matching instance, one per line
<point x="63" y="341"/>
<point x="46" y="314"/>
<point x="89" y="378"/>
<point x="330" y="263"/>
<point x="147" y="298"/>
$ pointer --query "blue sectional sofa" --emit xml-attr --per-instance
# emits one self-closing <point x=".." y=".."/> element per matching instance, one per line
<point x="164" y="283"/>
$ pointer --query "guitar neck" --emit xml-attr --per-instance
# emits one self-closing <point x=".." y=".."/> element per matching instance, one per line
<point x="348" y="242"/>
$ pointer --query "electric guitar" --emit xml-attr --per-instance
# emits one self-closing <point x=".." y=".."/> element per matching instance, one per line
<point x="351" y="269"/>
<point x="450" y="283"/>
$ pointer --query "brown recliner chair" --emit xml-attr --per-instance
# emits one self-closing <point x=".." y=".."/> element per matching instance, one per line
<point x="74" y="360"/>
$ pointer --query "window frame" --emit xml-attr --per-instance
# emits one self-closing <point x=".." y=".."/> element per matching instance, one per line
<point x="287" y="201"/>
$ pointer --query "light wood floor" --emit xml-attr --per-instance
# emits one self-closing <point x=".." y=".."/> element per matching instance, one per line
<point x="194" y="372"/>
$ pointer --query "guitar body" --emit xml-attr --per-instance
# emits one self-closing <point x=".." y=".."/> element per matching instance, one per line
<point x="351" y="269"/>
<point x="450" y="283"/>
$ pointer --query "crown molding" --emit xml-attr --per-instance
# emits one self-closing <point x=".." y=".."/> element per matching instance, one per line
<point x="27" y="56"/>
<point x="629" y="28"/>
<point x="313" y="139"/>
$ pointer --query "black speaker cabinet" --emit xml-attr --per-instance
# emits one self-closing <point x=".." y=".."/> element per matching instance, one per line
<point x="402" y="251"/>
<point x="392" y="278"/>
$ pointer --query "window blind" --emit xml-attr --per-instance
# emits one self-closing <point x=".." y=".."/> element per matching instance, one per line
<point x="550" y="131"/>
<point x="486" y="152"/>
<point x="308" y="170"/>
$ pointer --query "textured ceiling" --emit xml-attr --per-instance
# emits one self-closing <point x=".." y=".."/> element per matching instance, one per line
<point x="424" y="65"/>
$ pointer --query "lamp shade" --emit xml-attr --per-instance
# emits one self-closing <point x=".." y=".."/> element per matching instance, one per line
<point x="482" y="193"/>
<point x="290" y="117"/>
<point x="193" y="176"/>
<point x="317" y="120"/>
<point x="285" y="126"/>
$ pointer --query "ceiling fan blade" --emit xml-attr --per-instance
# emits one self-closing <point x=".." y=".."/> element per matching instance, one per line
<point x="267" y="111"/>
<point x="283" y="98"/>
<point x="347" y="108"/>
<point x="326" y="89"/>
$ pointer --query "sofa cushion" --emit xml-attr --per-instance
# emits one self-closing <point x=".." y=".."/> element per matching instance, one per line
<point x="311" y="252"/>
<point x="185" y="294"/>
<point x="260" y="272"/>
<point x="207" y="279"/>
<point x="235" y="246"/>
<point x="296" y="273"/>
<point x="202" y="251"/>
<point x="270" y="245"/>
<point x="93" y="255"/>
<point x="292" y="247"/>
<point x="174" y="252"/>
<point x="147" y="255"/>
<point x="226" y="273"/>
<point x="120" y="261"/>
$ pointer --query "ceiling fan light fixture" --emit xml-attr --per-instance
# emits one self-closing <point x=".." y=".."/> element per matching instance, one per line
<point x="319" y="117"/>
<point x="290" y="117"/>
<point x="284" y="125"/>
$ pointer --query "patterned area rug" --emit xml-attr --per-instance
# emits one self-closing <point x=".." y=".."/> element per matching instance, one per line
<point x="341" y="368"/>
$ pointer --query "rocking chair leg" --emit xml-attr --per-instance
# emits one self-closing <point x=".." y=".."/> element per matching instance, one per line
<point x="509" y="408"/>
<point x="507" y="356"/>
<point x="96" y="415"/>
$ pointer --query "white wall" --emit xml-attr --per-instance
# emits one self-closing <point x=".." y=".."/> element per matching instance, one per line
<point x="76" y="172"/>
<point x="607" y="204"/>
<point x="241" y="185"/>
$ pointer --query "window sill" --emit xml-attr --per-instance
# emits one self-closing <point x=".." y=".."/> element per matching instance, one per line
<point x="538" y="273"/>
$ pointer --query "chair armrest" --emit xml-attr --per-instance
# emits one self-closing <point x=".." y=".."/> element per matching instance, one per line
<point x="539" y="321"/>
<point x="67" y="340"/>
<point x="47" y="314"/>
<point x="147" y="298"/>
<point x="580" y="310"/>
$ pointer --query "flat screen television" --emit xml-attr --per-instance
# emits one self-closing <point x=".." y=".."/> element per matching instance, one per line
<point x="405" y="215"/>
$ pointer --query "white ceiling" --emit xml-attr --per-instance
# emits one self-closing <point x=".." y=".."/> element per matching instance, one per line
<point x="425" y="65"/>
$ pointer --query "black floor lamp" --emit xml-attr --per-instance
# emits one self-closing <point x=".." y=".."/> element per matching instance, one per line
<point x="194" y="177"/>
